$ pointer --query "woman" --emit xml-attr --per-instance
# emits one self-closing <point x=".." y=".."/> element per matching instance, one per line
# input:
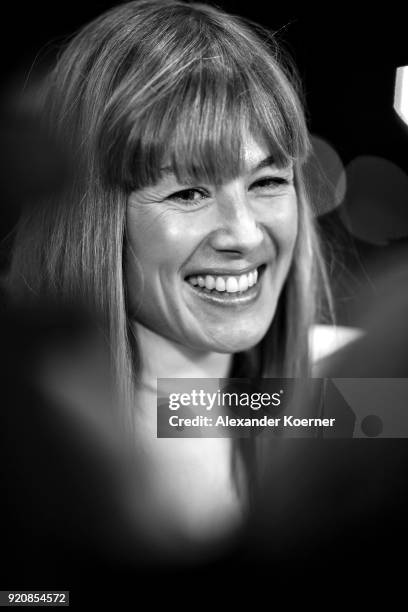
<point x="187" y="227"/>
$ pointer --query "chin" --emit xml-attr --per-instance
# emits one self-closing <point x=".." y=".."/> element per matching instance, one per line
<point x="238" y="343"/>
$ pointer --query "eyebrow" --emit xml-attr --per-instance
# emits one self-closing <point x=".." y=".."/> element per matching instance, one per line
<point x="265" y="163"/>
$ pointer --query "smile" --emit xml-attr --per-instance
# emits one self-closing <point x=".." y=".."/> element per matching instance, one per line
<point x="223" y="289"/>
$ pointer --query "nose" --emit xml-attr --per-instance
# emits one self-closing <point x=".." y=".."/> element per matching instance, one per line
<point x="238" y="229"/>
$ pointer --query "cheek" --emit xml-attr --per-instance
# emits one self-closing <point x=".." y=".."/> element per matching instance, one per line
<point x="161" y="240"/>
<point x="282" y="224"/>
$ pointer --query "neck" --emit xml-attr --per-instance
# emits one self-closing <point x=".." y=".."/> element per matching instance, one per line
<point x="165" y="358"/>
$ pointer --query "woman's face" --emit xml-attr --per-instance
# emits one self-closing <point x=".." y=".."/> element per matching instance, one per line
<point x="206" y="264"/>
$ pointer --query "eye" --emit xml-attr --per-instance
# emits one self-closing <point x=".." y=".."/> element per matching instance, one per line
<point x="191" y="196"/>
<point x="269" y="182"/>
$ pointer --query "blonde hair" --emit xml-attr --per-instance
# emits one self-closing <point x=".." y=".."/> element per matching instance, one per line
<point x="153" y="81"/>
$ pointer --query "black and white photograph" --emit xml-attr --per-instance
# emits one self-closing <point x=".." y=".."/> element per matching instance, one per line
<point x="203" y="303"/>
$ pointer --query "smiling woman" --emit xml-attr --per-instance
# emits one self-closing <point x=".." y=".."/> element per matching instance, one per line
<point x="214" y="257"/>
<point x="187" y="227"/>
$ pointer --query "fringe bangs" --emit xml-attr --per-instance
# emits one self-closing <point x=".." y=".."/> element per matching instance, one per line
<point x="196" y="124"/>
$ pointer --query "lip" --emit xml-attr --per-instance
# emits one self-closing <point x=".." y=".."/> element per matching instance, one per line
<point x="226" y="299"/>
<point x="225" y="271"/>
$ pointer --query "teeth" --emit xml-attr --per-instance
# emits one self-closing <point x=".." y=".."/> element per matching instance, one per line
<point x="210" y="282"/>
<point x="243" y="282"/>
<point x="220" y="284"/>
<point x="230" y="284"/>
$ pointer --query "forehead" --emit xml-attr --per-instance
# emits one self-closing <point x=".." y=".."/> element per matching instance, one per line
<point x="254" y="151"/>
<point x="256" y="154"/>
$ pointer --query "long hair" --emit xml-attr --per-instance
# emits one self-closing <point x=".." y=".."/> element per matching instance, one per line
<point x="144" y="83"/>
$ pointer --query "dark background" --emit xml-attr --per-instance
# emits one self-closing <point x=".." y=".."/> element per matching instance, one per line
<point x="352" y="498"/>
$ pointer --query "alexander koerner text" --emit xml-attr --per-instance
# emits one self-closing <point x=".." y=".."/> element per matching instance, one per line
<point x="226" y="421"/>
